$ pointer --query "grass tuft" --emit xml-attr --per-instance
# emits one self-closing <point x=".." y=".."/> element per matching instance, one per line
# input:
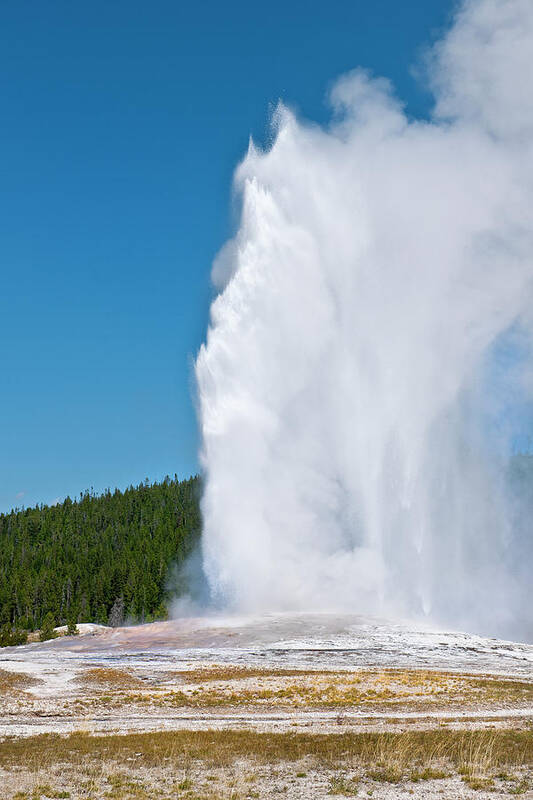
<point x="340" y="785"/>
<point x="428" y="774"/>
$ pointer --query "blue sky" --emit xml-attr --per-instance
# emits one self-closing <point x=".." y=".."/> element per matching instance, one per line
<point x="122" y="123"/>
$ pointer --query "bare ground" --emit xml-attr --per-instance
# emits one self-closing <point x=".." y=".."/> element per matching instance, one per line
<point x="91" y="722"/>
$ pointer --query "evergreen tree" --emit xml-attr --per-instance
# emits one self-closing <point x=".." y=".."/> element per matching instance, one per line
<point x="74" y="560"/>
<point x="47" y="628"/>
<point x="72" y="627"/>
<point x="9" y="637"/>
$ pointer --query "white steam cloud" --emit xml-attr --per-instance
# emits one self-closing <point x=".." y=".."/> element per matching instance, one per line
<point x="351" y="401"/>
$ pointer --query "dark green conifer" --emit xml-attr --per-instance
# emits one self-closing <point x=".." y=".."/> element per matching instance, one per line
<point x="76" y="558"/>
<point x="47" y="628"/>
<point x="72" y="627"/>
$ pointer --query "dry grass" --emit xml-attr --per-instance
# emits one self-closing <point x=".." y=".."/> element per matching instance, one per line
<point x="245" y="764"/>
<point x="232" y="672"/>
<point x="15" y="681"/>
<point x="110" y="678"/>
<point x="471" y="752"/>
<point x="393" y="691"/>
<point x="235" y="765"/>
<point x="340" y="784"/>
<point x="385" y="689"/>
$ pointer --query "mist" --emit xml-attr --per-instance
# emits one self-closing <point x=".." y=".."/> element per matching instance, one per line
<point x="367" y="363"/>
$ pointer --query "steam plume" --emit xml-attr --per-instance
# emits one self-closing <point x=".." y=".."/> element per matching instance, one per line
<point x="351" y="391"/>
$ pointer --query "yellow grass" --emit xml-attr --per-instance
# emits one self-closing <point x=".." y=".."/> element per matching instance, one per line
<point x="387" y="689"/>
<point x="232" y="672"/>
<point x="15" y="681"/>
<point x="110" y="677"/>
<point x="468" y="751"/>
<point x="235" y="765"/>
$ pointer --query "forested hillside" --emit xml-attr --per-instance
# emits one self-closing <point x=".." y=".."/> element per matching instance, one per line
<point x="98" y="557"/>
<point x="109" y="558"/>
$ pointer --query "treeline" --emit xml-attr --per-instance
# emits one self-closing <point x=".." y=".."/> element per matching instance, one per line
<point x="102" y="558"/>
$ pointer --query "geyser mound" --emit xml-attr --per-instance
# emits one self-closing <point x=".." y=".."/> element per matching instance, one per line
<point x="353" y="395"/>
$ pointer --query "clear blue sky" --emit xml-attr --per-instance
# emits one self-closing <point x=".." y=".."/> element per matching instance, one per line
<point x="121" y="124"/>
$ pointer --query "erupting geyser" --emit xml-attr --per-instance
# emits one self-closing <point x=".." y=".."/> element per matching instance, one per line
<point x="352" y="397"/>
